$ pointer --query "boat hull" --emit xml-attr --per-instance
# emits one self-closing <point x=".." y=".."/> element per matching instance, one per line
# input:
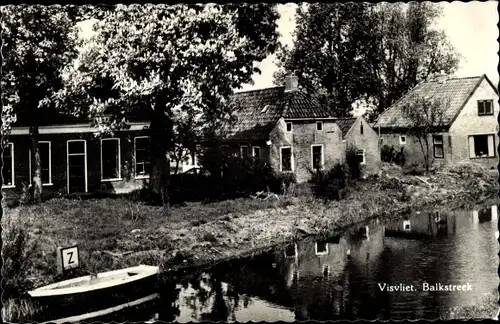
<point x="68" y="305"/>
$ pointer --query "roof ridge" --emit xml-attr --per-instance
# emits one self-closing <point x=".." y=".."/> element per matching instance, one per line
<point x="459" y="78"/>
<point x="255" y="90"/>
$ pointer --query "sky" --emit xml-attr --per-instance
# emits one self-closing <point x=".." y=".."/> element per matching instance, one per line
<point x="470" y="26"/>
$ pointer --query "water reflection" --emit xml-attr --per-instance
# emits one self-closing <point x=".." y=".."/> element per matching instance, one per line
<point x="339" y="278"/>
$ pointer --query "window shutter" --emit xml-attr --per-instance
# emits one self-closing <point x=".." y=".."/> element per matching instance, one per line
<point x="491" y="146"/>
<point x="472" y="152"/>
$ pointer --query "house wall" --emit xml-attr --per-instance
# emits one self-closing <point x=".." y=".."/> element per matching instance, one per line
<point x="413" y="150"/>
<point x="59" y="163"/>
<point x="469" y="122"/>
<point x="301" y="138"/>
<point x="368" y="141"/>
<point x="456" y="139"/>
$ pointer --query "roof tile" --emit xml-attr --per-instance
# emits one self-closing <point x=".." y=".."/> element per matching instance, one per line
<point x="255" y="123"/>
<point x="454" y="90"/>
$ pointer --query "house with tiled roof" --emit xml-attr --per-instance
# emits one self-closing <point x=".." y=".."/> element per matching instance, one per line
<point x="288" y="128"/>
<point x="467" y="130"/>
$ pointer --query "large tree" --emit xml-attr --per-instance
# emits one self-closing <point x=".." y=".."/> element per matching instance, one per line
<point x="362" y="52"/>
<point x="37" y="43"/>
<point x="165" y="61"/>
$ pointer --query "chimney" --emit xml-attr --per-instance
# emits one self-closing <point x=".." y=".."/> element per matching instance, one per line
<point x="441" y="78"/>
<point x="291" y="83"/>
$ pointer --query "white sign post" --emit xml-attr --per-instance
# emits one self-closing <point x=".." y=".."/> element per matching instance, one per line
<point x="67" y="258"/>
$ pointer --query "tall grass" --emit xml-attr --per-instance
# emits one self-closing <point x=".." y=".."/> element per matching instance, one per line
<point x="19" y="251"/>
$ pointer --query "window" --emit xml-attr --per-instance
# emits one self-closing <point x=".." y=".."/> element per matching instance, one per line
<point x="291" y="251"/>
<point x="256" y="152"/>
<point x="288" y="127"/>
<point x="319" y="126"/>
<point x="481" y="146"/>
<point x="361" y="128"/>
<point x="321" y="248"/>
<point x="406" y="225"/>
<point x="360" y="154"/>
<point x="76" y="165"/>
<point x="142" y="165"/>
<point x="326" y="270"/>
<point x="192" y="158"/>
<point x="8" y="165"/>
<point x="317" y="157"/>
<point x="437" y="141"/>
<point x="244" y="151"/>
<point x="45" y="162"/>
<point x="402" y="139"/>
<point x="286" y="159"/>
<point x="485" y="107"/>
<point x="110" y="159"/>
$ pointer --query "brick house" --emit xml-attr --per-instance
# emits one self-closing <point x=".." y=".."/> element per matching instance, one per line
<point x="358" y="133"/>
<point x="291" y="130"/>
<point x="75" y="160"/>
<point x="469" y="128"/>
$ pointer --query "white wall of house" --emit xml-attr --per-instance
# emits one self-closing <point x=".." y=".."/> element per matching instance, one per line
<point x="469" y="123"/>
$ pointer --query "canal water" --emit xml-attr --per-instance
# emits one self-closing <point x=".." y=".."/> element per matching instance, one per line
<point x="341" y="277"/>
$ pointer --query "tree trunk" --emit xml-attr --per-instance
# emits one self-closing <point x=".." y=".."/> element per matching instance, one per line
<point x="36" y="166"/>
<point x="160" y="138"/>
<point x="427" y="163"/>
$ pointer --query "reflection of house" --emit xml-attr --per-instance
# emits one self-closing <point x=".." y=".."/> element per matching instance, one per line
<point x="469" y="128"/>
<point x="485" y="214"/>
<point x="423" y="225"/>
<point x="74" y="160"/>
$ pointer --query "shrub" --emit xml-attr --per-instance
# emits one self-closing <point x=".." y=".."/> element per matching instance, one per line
<point x="241" y="176"/>
<point x="353" y="162"/>
<point x="329" y="184"/>
<point x="391" y="155"/>
<point x="18" y="253"/>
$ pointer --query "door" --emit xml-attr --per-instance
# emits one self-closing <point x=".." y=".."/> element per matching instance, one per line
<point x="77" y="166"/>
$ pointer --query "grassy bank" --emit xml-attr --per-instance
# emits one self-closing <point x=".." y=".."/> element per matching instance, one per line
<point x="116" y="233"/>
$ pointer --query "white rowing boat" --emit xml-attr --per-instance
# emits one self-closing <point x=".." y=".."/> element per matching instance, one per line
<point x="101" y="281"/>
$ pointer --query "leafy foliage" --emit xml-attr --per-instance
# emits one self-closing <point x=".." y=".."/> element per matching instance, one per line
<point x="174" y="65"/>
<point x="391" y="155"/>
<point x="353" y="163"/>
<point x="18" y="252"/>
<point x="368" y="53"/>
<point x="37" y="43"/>
<point x="329" y="184"/>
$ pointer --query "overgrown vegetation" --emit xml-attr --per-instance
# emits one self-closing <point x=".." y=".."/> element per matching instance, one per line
<point x="390" y="154"/>
<point x="331" y="184"/>
<point x="20" y="254"/>
<point x="353" y="162"/>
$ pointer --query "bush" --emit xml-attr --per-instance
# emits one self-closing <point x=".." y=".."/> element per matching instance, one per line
<point x="330" y="184"/>
<point x="240" y="177"/>
<point x="391" y="155"/>
<point x="353" y="162"/>
<point x="18" y="253"/>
